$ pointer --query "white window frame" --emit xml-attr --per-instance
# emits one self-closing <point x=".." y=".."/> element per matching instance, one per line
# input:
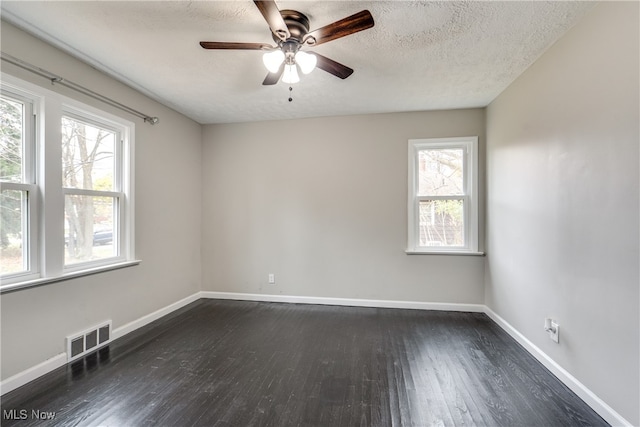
<point x="469" y="197"/>
<point x="46" y="210"/>
<point x="28" y="185"/>
<point x="119" y="194"/>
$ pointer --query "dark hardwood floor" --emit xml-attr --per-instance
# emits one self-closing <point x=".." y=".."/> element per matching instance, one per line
<point x="237" y="363"/>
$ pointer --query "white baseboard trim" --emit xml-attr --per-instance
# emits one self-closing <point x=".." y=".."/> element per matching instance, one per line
<point x="145" y="320"/>
<point x="351" y="302"/>
<point x="28" y="375"/>
<point x="597" y="404"/>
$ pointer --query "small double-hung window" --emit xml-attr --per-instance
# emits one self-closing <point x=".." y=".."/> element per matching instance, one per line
<point x="443" y="201"/>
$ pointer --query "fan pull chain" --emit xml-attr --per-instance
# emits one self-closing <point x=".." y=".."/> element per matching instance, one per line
<point x="290" y="94"/>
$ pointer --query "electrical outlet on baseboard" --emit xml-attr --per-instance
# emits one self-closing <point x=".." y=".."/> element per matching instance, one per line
<point x="272" y="278"/>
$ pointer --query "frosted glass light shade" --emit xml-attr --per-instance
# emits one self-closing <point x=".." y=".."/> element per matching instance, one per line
<point x="272" y="60"/>
<point x="290" y="74"/>
<point x="306" y="61"/>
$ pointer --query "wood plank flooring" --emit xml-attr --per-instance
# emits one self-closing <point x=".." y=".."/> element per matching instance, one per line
<point x="238" y="363"/>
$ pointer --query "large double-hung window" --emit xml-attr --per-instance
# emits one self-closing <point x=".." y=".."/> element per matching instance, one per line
<point x="66" y="183"/>
<point x="92" y="184"/>
<point x="18" y="193"/>
<point x="443" y="195"/>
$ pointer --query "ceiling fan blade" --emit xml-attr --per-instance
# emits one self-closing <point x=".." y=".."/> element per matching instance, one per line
<point x="272" y="15"/>
<point x="344" y="27"/>
<point x="273" y="78"/>
<point x="333" y="67"/>
<point x="234" y="45"/>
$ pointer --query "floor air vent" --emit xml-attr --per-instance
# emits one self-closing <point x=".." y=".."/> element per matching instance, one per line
<point x="87" y="341"/>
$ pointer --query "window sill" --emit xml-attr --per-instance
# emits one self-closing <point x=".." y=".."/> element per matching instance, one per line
<point x="71" y="275"/>
<point x="429" y="252"/>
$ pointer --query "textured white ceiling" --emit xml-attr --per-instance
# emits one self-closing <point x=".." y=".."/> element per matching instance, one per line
<point x="420" y="55"/>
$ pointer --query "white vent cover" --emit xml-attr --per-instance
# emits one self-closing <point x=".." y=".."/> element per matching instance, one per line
<point x="85" y="342"/>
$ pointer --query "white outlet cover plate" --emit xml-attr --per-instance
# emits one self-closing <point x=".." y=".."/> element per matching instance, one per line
<point x="554" y="333"/>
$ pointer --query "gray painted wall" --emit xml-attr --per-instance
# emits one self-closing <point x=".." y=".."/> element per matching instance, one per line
<point x="322" y="203"/>
<point x="562" y="206"/>
<point x="327" y="212"/>
<point x="167" y="188"/>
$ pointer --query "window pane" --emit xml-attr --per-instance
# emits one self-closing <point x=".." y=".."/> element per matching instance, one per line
<point x="440" y="172"/>
<point x="13" y="231"/>
<point x="87" y="156"/>
<point x="11" y="139"/>
<point x="441" y="223"/>
<point x="89" y="228"/>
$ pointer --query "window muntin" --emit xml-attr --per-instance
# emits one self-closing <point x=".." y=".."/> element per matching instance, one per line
<point x="443" y="213"/>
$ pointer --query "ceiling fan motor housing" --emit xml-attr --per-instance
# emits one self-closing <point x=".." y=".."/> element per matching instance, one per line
<point x="298" y="25"/>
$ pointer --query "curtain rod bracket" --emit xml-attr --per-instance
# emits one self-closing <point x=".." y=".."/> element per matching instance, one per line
<point x="151" y="120"/>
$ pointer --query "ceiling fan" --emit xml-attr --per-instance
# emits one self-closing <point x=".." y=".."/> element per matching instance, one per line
<point x="290" y="31"/>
